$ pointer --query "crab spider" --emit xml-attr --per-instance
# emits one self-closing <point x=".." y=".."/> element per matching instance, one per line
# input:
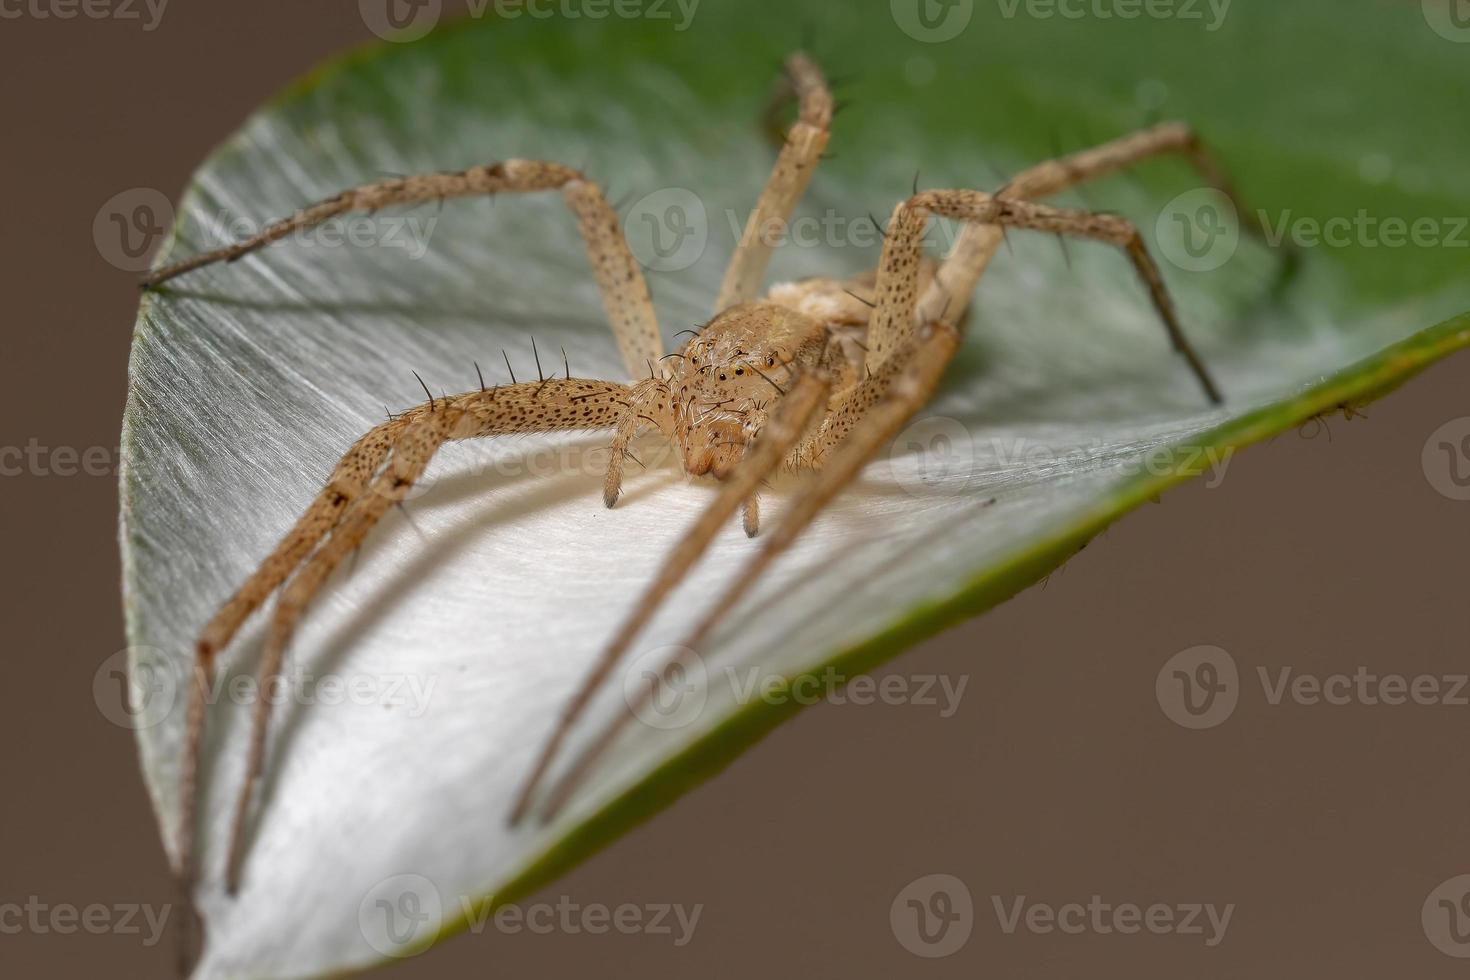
<point x="817" y="374"/>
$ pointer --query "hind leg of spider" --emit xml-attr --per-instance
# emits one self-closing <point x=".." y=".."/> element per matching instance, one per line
<point x="856" y="428"/>
<point x="412" y="452"/>
<point x="347" y="482"/>
<point x="796" y="409"/>
<point x="347" y="506"/>
<point x="951" y="291"/>
<point x="625" y="296"/>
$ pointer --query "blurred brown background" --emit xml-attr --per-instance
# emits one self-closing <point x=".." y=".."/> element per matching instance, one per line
<point x="1059" y="777"/>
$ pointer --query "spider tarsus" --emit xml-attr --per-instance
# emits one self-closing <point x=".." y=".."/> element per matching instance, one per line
<point x="750" y="516"/>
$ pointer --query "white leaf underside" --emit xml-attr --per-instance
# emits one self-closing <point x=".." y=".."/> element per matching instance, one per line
<point x="250" y="380"/>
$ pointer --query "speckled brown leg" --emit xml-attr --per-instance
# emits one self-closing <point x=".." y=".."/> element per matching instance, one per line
<point x="805" y="143"/>
<point x="625" y="297"/>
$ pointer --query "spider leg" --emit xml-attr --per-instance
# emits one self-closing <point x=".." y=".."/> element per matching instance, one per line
<point x="950" y="293"/>
<point x="359" y="490"/>
<point x="412" y="452"/>
<point x="897" y="286"/>
<point x="841" y="450"/>
<point x="625" y="296"/>
<point x="793" y="171"/>
<point x="788" y="424"/>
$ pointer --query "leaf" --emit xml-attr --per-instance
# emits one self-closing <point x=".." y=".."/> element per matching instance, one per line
<point x="466" y="625"/>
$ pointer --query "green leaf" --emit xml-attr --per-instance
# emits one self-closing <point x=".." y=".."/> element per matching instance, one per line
<point x="463" y="629"/>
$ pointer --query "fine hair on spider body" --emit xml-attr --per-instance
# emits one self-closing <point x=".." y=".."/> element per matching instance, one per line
<point x="813" y="375"/>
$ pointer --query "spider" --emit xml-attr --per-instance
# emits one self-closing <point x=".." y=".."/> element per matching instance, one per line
<point x="811" y="375"/>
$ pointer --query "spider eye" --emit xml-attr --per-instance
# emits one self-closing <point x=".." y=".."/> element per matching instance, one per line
<point x="770" y="360"/>
<point x="740" y="371"/>
<point x="722" y="375"/>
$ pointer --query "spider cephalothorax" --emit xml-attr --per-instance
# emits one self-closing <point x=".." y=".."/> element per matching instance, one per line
<point x="817" y="374"/>
<point x="727" y="376"/>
